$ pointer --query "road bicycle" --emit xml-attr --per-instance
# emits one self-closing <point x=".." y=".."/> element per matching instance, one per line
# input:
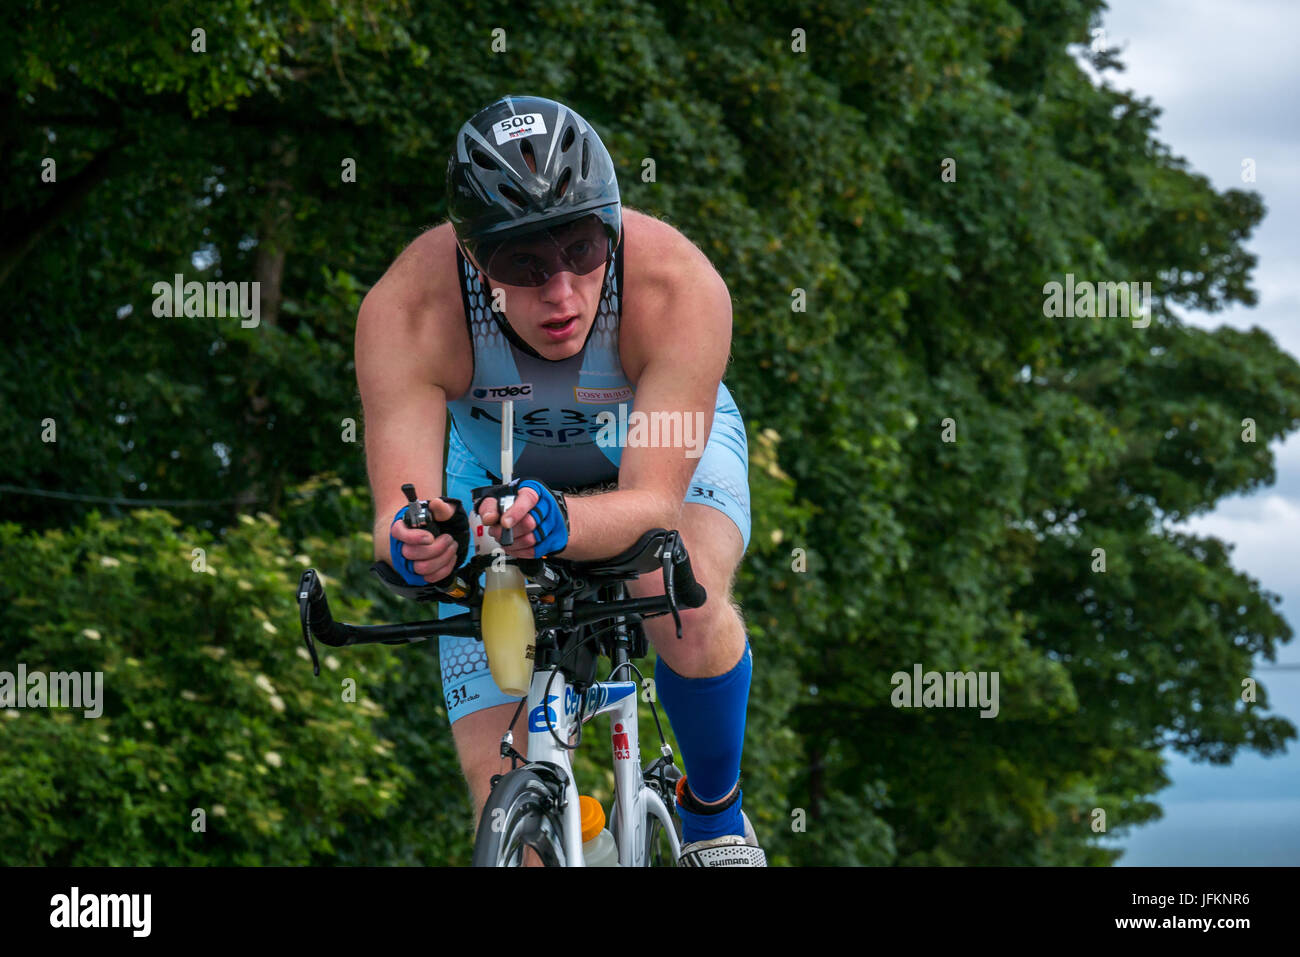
<point x="582" y="614"/>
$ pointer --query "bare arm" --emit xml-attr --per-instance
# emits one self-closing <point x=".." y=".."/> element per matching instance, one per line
<point x="398" y="357"/>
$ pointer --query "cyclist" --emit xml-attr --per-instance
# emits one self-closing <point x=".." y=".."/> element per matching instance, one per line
<point x="543" y="289"/>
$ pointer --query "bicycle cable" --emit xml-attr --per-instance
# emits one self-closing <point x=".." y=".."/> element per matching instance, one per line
<point x="546" y="693"/>
<point x="654" y="712"/>
<point x="573" y="648"/>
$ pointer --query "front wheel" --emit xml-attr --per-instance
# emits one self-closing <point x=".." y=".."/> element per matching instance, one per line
<point x="658" y="848"/>
<point x="520" y="812"/>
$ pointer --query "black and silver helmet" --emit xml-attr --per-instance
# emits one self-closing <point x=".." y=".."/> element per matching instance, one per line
<point x="523" y="162"/>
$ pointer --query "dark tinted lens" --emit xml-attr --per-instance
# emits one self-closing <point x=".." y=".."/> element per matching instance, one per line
<point x="584" y="244"/>
<point x="532" y="259"/>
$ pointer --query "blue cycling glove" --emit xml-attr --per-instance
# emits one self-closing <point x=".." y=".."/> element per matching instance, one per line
<point x="457" y="527"/>
<point x="550" y="513"/>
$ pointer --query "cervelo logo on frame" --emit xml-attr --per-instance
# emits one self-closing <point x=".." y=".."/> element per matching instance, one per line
<point x="499" y="393"/>
<point x="513" y="127"/>
<point x="542" y="714"/>
<point x="596" y="697"/>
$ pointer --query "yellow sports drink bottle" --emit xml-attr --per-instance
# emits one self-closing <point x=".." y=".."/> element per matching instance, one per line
<point x="509" y="633"/>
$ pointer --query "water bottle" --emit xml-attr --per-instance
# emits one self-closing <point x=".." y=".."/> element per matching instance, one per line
<point x="598" y="847"/>
<point x="509" y="632"/>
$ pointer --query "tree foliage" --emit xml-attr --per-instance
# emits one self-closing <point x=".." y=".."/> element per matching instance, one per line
<point x="814" y="171"/>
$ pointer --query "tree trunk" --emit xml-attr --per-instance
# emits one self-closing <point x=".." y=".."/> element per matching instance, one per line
<point x="25" y="233"/>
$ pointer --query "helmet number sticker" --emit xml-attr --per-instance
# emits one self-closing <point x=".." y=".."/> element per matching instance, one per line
<point x="515" y="127"/>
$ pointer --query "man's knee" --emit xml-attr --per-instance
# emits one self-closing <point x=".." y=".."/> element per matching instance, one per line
<point x="713" y="634"/>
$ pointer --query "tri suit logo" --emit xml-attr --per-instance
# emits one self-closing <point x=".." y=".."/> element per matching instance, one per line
<point x="545" y="426"/>
<point x="598" y="396"/>
<point x="499" y="393"/>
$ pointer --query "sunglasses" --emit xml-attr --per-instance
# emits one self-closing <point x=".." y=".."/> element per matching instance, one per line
<point x="533" y="258"/>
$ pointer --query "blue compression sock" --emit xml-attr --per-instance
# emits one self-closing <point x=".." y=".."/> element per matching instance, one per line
<point x="708" y="717"/>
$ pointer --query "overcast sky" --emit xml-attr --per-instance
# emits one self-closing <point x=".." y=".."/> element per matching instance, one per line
<point x="1227" y="77"/>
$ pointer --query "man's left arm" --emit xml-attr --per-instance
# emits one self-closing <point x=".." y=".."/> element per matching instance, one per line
<point x="687" y="344"/>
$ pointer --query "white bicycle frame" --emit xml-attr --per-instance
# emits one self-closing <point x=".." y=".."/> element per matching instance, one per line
<point x="632" y="797"/>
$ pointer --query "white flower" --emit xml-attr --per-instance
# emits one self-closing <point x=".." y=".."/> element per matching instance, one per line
<point x="109" y="562"/>
<point x="272" y="759"/>
<point x="270" y="627"/>
<point x="263" y="682"/>
<point x="91" y="633"/>
<point x="277" y="702"/>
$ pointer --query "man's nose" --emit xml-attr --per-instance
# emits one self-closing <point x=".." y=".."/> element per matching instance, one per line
<point x="558" y="286"/>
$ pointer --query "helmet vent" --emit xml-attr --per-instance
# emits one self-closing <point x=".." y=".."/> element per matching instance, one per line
<point x="527" y="149"/>
<point x="512" y="194"/>
<point x="563" y="184"/>
<point x="483" y="160"/>
<point x="567" y="141"/>
<point x="586" y="156"/>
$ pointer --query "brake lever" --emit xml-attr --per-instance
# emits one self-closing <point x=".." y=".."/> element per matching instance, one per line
<point x="420" y="515"/>
<point x="669" y="549"/>
<point x="305" y="585"/>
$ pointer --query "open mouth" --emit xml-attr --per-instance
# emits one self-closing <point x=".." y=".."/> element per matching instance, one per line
<point x="561" y="327"/>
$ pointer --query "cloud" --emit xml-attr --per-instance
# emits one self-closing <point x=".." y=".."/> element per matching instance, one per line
<point x="1264" y="528"/>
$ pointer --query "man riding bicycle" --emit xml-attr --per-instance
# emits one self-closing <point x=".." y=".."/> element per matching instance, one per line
<point x="542" y="289"/>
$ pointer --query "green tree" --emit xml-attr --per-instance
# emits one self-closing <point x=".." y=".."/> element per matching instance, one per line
<point x="875" y="300"/>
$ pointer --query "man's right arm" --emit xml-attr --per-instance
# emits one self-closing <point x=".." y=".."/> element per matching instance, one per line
<point x="402" y="395"/>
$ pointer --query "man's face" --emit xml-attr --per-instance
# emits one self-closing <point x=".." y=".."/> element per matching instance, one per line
<point x="555" y="317"/>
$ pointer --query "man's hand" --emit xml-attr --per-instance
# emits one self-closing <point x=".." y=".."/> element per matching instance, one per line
<point x="416" y="554"/>
<point x="536" y="516"/>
